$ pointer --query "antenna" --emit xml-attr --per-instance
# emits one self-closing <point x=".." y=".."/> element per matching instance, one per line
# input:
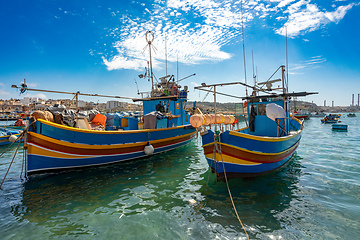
<point x="165" y="57"/>
<point x="242" y="27"/>
<point x="254" y="76"/>
<point x="177" y="68"/>
<point x="287" y="64"/>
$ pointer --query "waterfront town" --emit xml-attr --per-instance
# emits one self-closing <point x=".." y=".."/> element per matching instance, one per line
<point x="29" y="104"/>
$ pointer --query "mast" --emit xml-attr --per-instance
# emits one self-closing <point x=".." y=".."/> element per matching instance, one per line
<point x="149" y="36"/>
<point x="215" y="107"/>
<point x="177" y="68"/>
<point x="287" y="63"/>
<point x="254" y="75"/>
<point x="242" y="27"/>
<point x="165" y="57"/>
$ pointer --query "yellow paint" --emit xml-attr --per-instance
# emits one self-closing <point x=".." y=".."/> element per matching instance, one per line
<point x="263" y="139"/>
<point x="112" y="146"/>
<point x="229" y="159"/>
<point x="51" y="153"/>
<point x="249" y="151"/>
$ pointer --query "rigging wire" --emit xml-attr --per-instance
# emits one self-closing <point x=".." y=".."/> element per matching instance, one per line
<point x="207" y="94"/>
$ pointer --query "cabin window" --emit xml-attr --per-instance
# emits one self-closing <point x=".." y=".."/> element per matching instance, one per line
<point x="262" y="109"/>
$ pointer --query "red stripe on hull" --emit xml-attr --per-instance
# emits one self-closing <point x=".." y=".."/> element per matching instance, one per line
<point x="88" y="151"/>
<point x="251" y="156"/>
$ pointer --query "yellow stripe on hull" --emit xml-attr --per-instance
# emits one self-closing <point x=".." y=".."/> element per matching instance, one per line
<point x="264" y="139"/>
<point x="229" y="159"/>
<point x="112" y="146"/>
<point x="35" y="150"/>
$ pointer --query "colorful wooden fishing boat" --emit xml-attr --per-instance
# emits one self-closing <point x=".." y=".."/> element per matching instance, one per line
<point x="302" y="114"/>
<point x="351" y="115"/>
<point x="51" y="146"/>
<point x="7" y="136"/>
<point x="267" y="143"/>
<point x="331" y="118"/>
<point x="18" y="125"/>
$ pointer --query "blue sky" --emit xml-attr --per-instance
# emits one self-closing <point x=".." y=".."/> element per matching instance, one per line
<point x="97" y="46"/>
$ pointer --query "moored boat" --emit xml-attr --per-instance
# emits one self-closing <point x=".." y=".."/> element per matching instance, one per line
<point x="331" y="118"/>
<point x="302" y="114"/>
<point x="8" y="136"/>
<point x="18" y="125"/>
<point x="318" y="114"/>
<point x="53" y="146"/>
<point x="339" y="127"/>
<point x="267" y="143"/>
<point x="351" y="115"/>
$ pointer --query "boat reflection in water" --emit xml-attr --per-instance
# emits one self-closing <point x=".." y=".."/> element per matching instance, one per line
<point x="265" y="203"/>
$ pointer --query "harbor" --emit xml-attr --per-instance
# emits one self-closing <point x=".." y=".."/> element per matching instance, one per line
<point x="150" y="198"/>
<point x="180" y="120"/>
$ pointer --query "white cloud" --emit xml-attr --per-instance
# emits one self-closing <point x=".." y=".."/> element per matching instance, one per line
<point x="41" y="95"/>
<point x="312" y="63"/>
<point x="338" y="14"/>
<point x="189" y="43"/>
<point x="198" y="30"/>
<point x="305" y="17"/>
<point x="120" y="62"/>
<point x="283" y="3"/>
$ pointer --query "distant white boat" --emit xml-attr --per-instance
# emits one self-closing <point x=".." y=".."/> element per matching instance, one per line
<point x="317" y="114"/>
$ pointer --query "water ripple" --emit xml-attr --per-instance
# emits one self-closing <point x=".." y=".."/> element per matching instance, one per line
<point x="315" y="196"/>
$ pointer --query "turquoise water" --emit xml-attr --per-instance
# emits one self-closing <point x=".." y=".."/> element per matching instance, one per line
<point x="316" y="196"/>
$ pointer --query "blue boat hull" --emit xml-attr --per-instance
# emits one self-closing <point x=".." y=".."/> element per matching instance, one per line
<point x="53" y="147"/>
<point x="243" y="155"/>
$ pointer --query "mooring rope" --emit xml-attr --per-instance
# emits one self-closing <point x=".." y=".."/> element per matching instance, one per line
<point x="10" y="164"/>
<point x="227" y="185"/>
<point x="22" y="165"/>
<point x="21" y="136"/>
<point x="7" y="148"/>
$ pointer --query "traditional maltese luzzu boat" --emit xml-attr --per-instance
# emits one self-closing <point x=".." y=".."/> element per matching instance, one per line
<point x="267" y="142"/>
<point x="165" y="126"/>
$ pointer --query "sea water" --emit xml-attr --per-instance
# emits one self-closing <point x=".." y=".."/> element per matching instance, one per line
<point x="175" y="196"/>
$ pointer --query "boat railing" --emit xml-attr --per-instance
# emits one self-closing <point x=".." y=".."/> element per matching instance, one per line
<point x="287" y="125"/>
